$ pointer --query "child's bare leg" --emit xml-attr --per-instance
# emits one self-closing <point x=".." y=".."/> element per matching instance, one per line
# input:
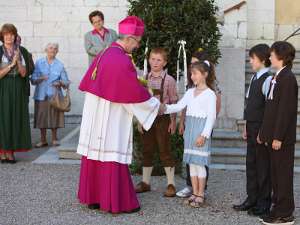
<point x="201" y="182"/>
<point x="201" y="186"/>
<point x="195" y="184"/>
<point x="194" y="180"/>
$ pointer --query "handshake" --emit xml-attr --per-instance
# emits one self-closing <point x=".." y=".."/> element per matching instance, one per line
<point x="162" y="109"/>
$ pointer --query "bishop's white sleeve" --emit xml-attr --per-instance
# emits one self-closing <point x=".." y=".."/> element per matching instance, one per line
<point x="145" y="112"/>
<point x="180" y="105"/>
<point x="211" y="116"/>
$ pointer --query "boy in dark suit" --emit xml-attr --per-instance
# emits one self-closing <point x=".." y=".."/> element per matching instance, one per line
<point x="258" y="199"/>
<point x="278" y="132"/>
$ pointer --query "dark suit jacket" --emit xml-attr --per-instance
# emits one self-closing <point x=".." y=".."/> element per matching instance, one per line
<point x="280" y="116"/>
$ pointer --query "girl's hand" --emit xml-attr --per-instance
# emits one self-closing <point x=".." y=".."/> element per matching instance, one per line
<point x="276" y="145"/>
<point x="244" y="134"/>
<point x="200" y="141"/>
<point x="172" y="127"/>
<point x="181" y="128"/>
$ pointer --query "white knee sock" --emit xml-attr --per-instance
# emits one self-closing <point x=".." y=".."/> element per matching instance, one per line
<point x="170" y="173"/>
<point x="147" y="174"/>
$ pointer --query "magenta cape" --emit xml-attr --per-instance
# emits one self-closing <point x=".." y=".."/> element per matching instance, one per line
<point x="116" y="79"/>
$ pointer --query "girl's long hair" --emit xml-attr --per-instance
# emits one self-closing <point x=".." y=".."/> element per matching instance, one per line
<point x="202" y="55"/>
<point x="205" y="67"/>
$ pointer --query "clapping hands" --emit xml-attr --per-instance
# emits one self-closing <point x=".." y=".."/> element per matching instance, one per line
<point x="16" y="57"/>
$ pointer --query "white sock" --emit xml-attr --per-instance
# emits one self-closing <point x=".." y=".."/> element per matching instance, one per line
<point x="147" y="171"/>
<point x="170" y="172"/>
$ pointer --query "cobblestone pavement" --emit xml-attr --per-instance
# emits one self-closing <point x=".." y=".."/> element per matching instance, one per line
<point x="46" y="194"/>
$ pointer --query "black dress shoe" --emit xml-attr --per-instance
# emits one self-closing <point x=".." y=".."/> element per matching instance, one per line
<point x="94" y="206"/>
<point x="134" y="210"/>
<point x="258" y="211"/>
<point x="270" y="220"/>
<point x="245" y="206"/>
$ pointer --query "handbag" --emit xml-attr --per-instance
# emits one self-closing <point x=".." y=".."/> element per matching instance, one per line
<point x="61" y="103"/>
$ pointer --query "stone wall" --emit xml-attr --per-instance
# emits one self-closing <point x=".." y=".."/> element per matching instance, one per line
<point x="66" y="22"/>
<point x="231" y="76"/>
<point x="287" y="23"/>
<point x="62" y="21"/>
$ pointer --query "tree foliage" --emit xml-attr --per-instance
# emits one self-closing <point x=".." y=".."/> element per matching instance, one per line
<point x="169" y="21"/>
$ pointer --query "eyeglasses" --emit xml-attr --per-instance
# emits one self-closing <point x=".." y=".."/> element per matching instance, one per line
<point x="138" y="41"/>
<point x="97" y="22"/>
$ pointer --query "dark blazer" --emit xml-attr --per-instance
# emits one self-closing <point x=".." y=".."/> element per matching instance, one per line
<point x="255" y="103"/>
<point x="280" y="116"/>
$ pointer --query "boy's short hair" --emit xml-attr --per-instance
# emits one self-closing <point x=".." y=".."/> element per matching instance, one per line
<point x="261" y="51"/>
<point x="160" y="51"/>
<point x="284" y="51"/>
<point x="96" y="13"/>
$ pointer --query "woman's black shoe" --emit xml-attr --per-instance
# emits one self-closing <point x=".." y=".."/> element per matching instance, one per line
<point x="94" y="206"/>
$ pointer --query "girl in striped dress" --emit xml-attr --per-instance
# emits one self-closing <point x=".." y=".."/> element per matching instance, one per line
<point x="200" y="118"/>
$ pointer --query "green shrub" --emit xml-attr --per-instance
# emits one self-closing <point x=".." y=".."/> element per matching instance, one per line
<point x="169" y="21"/>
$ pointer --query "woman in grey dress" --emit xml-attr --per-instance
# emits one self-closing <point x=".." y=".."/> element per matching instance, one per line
<point x="49" y="77"/>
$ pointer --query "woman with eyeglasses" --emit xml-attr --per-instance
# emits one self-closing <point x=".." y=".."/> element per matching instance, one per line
<point x="100" y="37"/>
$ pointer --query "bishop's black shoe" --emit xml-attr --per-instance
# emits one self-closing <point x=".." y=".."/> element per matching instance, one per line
<point x="94" y="206"/>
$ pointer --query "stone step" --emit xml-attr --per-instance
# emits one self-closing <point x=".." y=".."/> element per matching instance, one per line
<point x="233" y="139"/>
<point x="237" y="156"/>
<point x="68" y="151"/>
<point x="227" y="139"/>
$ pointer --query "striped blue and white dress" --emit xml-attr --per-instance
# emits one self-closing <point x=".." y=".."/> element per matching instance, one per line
<point x="200" y="119"/>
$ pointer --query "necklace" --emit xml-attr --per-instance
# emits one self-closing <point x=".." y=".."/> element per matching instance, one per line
<point x="200" y="89"/>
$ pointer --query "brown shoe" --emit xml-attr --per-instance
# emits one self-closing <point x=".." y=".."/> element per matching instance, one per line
<point x="142" y="187"/>
<point x="171" y="191"/>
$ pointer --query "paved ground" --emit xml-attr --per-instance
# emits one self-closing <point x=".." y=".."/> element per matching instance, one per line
<point x="46" y="194"/>
<point x="40" y="194"/>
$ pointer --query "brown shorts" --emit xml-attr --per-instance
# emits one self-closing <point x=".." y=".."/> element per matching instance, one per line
<point x="159" y="136"/>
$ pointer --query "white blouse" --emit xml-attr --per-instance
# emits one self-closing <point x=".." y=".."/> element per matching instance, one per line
<point x="202" y="106"/>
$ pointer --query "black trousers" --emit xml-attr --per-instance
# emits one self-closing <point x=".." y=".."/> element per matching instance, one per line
<point x="282" y="176"/>
<point x="257" y="168"/>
